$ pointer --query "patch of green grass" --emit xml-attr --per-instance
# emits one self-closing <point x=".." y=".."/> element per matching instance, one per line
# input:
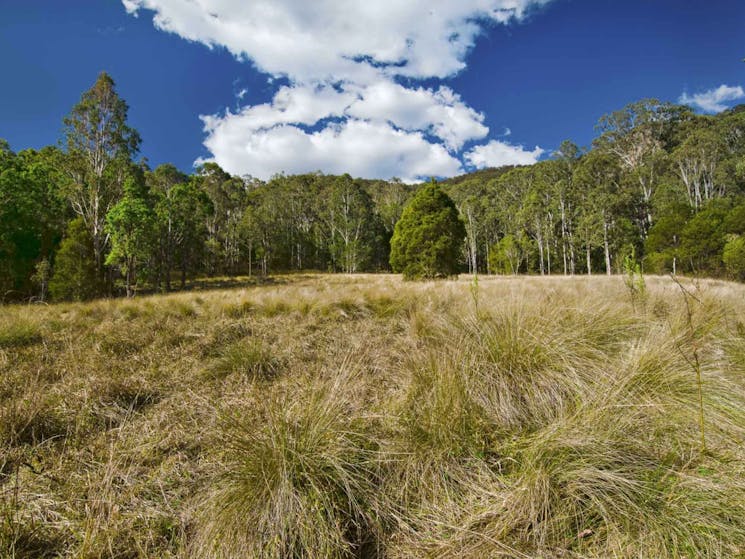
<point x="19" y="332"/>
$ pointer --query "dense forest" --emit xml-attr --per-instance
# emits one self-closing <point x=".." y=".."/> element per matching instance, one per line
<point x="86" y="218"/>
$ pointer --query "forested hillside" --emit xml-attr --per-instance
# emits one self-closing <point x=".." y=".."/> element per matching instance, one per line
<point x="88" y="218"/>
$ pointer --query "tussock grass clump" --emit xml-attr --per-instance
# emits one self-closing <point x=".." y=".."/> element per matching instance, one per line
<point x="182" y="309"/>
<point x="250" y="358"/>
<point x="437" y="433"/>
<point x="298" y="480"/>
<point x="386" y="306"/>
<point x="31" y="419"/>
<point x="274" y="306"/>
<point x="30" y="423"/>
<point x="119" y="397"/>
<point x="18" y="333"/>
<point x="238" y="310"/>
<point x="223" y="335"/>
<point x="28" y="538"/>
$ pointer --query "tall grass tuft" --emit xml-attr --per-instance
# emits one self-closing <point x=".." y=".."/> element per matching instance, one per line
<point x="19" y="332"/>
<point x="299" y="480"/>
<point x="251" y="358"/>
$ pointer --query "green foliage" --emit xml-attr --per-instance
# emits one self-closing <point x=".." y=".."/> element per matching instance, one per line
<point x="734" y="223"/>
<point x="702" y="239"/>
<point x="662" y="246"/>
<point x="228" y="196"/>
<point x="428" y="239"/>
<point x="30" y="224"/>
<point x="75" y="276"/>
<point x="350" y="224"/>
<point x="42" y="273"/>
<point x="634" y="279"/>
<point x="506" y="256"/>
<point x="100" y="120"/>
<point x="734" y="256"/>
<point x="131" y="226"/>
<point x="100" y="146"/>
<point x="658" y="178"/>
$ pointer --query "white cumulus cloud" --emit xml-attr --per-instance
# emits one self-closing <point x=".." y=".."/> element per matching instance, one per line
<point x="713" y="100"/>
<point x="441" y="112"/>
<point x="496" y="154"/>
<point x="363" y="149"/>
<point x="337" y="39"/>
<point x="345" y="61"/>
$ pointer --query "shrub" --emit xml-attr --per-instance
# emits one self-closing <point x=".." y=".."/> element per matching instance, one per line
<point x="734" y="256"/>
<point x="75" y="276"/>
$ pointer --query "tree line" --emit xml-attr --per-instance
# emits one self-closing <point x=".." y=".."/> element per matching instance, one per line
<point x="659" y="182"/>
<point x="86" y="219"/>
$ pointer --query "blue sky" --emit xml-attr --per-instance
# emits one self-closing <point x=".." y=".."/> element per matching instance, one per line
<point x="405" y="89"/>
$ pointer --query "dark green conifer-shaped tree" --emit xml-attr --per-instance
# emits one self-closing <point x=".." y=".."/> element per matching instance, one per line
<point x="428" y="239"/>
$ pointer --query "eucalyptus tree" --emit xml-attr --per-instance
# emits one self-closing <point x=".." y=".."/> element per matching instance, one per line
<point x="598" y="181"/>
<point x="696" y="161"/>
<point x="389" y="198"/>
<point x="228" y="199"/>
<point x="100" y="146"/>
<point x="639" y="136"/>
<point x="350" y="223"/>
<point x="474" y="200"/>
<point x="162" y="183"/>
<point x="565" y="161"/>
<point x="131" y="224"/>
<point x="512" y="193"/>
<point x="297" y="208"/>
<point x="32" y="218"/>
<point x="554" y="201"/>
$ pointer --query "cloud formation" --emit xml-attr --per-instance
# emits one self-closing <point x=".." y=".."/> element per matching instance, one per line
<point x="345" y="61"/>
<point x="713" y="100"/>
<point x="497" y="154"/>
<point x="358" y="147"/>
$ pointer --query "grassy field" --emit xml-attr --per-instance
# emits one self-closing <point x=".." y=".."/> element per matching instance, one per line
<point x="335" y="416"/>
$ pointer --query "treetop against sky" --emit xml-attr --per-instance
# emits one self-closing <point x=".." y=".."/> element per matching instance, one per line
<point x="383" y="89"/>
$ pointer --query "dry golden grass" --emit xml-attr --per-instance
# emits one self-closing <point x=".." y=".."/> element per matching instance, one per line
<point x="361" y="416"/>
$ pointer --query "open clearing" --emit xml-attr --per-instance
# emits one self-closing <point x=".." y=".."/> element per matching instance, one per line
<point x="361" y="416"/>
